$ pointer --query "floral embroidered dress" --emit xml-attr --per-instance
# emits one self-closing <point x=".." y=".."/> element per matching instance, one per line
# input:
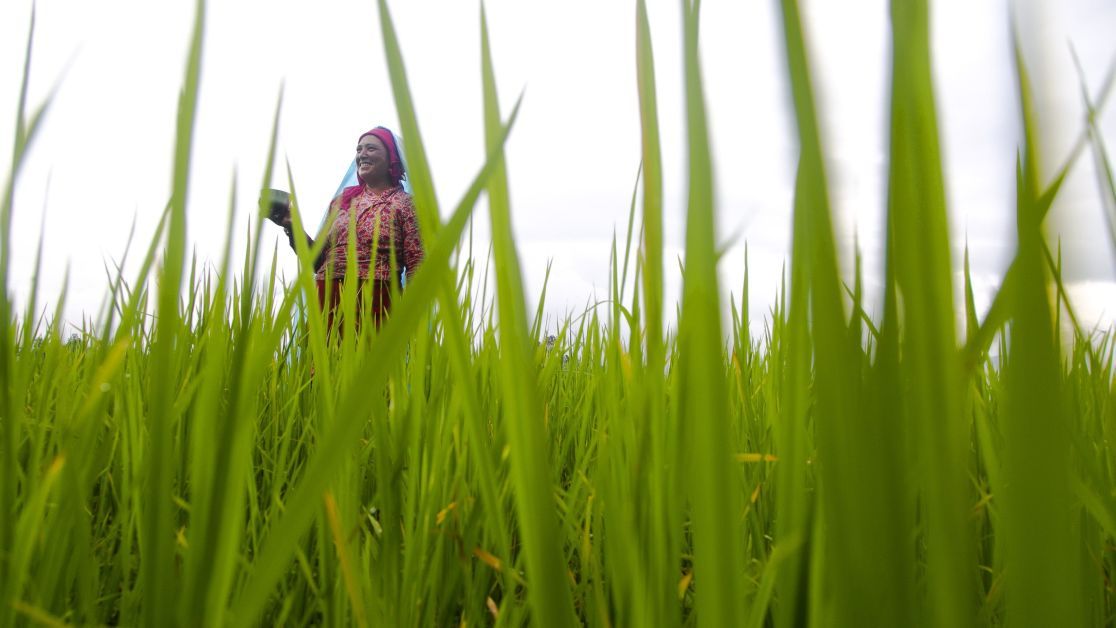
<point x="385" y="224"/>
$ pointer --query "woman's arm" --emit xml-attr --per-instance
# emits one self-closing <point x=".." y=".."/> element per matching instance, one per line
<point x="289" y="230"/>
<point x="409" y="248"/>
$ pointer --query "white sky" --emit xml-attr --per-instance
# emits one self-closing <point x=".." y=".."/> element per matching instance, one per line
<point x="105" y="152"/>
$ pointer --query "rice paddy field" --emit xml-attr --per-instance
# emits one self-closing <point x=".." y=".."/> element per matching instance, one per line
<point x="203" y="455"/>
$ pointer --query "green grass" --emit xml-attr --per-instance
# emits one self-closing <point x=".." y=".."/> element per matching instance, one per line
<point x="202" y="454"/>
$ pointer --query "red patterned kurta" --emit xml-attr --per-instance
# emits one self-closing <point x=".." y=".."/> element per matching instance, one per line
<point x="393" y="213"/>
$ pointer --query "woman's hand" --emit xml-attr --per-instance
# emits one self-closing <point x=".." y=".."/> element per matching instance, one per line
<point x="288" y="229"/>
<point x="285" y="223"/>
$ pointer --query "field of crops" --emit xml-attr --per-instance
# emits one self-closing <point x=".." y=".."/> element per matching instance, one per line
<point x="204" y="455"/>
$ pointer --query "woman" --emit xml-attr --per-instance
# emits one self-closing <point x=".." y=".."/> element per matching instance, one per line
<point x="384" y="217"/>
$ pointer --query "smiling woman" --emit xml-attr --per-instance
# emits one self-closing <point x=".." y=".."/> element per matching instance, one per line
<point x="372" y="233"/>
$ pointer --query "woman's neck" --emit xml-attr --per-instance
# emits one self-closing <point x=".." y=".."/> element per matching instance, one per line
<point x="377" y="186"/>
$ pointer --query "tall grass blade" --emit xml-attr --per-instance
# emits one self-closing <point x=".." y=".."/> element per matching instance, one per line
<point x="930" y="369"/>
<point x="1042" y="522"/>
<point x="816" y="332"/>
<point x="997" y="316"/>
<point x="548" y="589"/>
<point x="714" y="491"/>
<point x="1105" y="178"/>
<point x="652" y="229"/>
<point x="159" y="583"/>
<point x="456" y="342"/>
<point x="664" y="483"/>
<point x="10" y="406"/>
<point x="423" y="188"/>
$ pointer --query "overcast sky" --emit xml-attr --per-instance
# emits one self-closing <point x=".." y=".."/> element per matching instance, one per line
<point x="105" y="152"/>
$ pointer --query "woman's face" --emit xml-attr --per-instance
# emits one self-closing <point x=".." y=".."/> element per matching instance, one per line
<point x="372" y="160"/>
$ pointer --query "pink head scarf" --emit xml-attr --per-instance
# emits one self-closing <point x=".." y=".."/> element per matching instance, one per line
<point x="395" y="164"/>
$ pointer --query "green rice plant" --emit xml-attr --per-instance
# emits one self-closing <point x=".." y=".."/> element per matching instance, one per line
<point x="662" y="485"/>
<point x="706" y="451"/>
<point x="930" y="381"/>
<point x="816" y="334"/>
<point x="158" y="549"/>
<point x="208" y="452"/>
<point x="530" y="471"/>
<point x="1042" y="525"/>
<point x="1105" y="179"/>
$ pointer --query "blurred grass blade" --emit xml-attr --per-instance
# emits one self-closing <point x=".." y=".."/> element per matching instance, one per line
<point x="997" y="315"/>
<point x="714" y="489"/>
<point x="426" y="201"/>
<point x="652" y="196"/>
<point x="9" y="404"/>
<point x="14" y="378"/>
<point x="1042" y="533"/>
<point x="1105" y="178"/>
<point x="972" y="323"/>
<point x="665" y="493"/>
<point x="531" y="478"/>
<point x="628" y="237"/>
<point x="814" y="296"/>
<point x="159" y="583"/>
<point x="930" y="370"/>
<point x="457" y="345"/>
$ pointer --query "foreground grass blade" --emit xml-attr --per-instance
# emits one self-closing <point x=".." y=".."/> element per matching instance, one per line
<point x="792" y="528"/>
<point x="816" y="332"/>
<point x="456" y="343"/>
<point x="551" y="604"/>
<point x="1042" y="522"/>
<point x="1105" y="178"/>
<point x="652" y="229"/>
<point x="10" y="410"/>
<point x="159" y="583"/>
<point x="930" y="369"/>
<point x="977" y="344"/>
<point x="663" y="486"/>
<point x="714" y="489"/>
<point x="425" y="200"/>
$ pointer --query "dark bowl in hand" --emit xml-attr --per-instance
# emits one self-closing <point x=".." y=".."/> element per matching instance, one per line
<point x="278" y="205"/>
